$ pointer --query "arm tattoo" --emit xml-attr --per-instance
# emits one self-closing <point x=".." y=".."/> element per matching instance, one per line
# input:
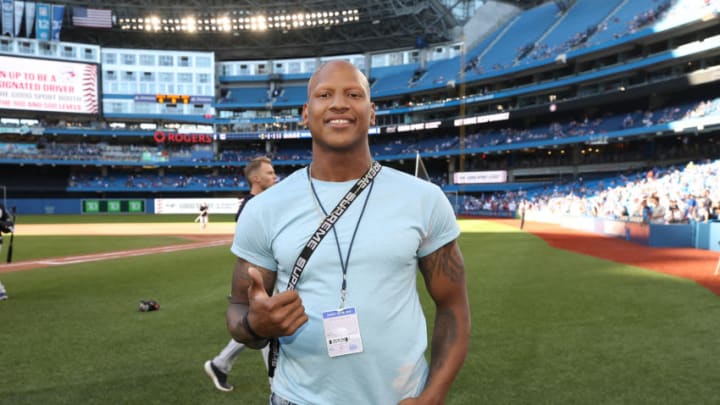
<point x="446" y="260"/>
<point x="444" y="337"/>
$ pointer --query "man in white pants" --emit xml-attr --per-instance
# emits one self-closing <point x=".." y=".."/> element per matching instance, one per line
<point x="203" y="216"/>
<point x="260" y="174"/>
<point x="224" y="361"/>
<point x="6" y="226"/>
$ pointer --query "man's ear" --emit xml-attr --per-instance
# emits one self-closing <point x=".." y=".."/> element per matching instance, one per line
<point x="372" y="113"/>
<point x="305" y="115"/>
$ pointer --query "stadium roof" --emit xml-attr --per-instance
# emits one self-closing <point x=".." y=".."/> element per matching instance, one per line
<point x="381" y="25"/>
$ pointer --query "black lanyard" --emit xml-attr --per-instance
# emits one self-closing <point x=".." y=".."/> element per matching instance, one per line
<point x="329" y="221"/>
<point x="343" y="263"/>
<point x="312" y="244"/>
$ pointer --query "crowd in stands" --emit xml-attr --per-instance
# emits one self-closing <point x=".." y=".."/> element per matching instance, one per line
<point x="155" y="182"/>
<point x="648" y="17"/>
<point x="662" y="195"/>
<point x="86" y="151"/>
<point x="555" y="131"/>
<point x="500" y="139"/>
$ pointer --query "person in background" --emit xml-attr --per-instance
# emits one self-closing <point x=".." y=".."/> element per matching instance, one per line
<point x="351" y="329"/>
<point x="260" y="174"/>
<point x="657" y="210"/>
<point x="675" y="213"/>
<point x="203" y="216"/>
<point x="6" y="226"/>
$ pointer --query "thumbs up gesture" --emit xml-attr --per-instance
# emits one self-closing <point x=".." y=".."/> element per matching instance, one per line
<point x="273" y="316"/>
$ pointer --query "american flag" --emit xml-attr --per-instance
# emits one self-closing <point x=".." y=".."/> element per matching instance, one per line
<point x="92" y="17"/>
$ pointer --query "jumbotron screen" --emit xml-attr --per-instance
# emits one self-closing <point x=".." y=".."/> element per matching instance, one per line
<point x="48" y="85"/>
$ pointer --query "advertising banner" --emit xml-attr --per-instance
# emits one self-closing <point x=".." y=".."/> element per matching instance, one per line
<point x="48" y="85"/>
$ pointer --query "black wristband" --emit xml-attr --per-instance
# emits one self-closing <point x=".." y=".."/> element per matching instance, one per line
<point x="250" y="330"/>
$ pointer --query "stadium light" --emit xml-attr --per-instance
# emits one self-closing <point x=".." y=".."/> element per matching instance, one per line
<point x="241" y="20"/>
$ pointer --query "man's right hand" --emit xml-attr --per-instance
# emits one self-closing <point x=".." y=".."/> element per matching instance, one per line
<point x="273" y="316"/>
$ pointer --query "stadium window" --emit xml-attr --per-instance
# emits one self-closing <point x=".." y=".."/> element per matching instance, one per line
<point x="110" y="75"/>
<point x="147" y="77"/>
<point x="261" y="69"/>
<point x="89" y="54"/>
<point x="68" y="52"/>
<point x="4" y="45"/>
<point x="110" y="58"/>
<point x="143" y="108"/>
<point x="203" y="61"/>
<point x="45" y="48"/>
<point x="203" y="78"/>
<point x="128" y="59"/>
<point x="166" y="77"/>
<point x="244" y="69"/>
<point x="147" y="60"/>
<point x="184" y="61"/>
<point x="25" y="47"/>
<point x="130" y="76"/>
<point x="165" y="60"/>
<point x="115" y="107"/>
<point x="184" y="77"/>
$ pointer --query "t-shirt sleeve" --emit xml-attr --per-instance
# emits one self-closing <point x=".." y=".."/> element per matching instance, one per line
<point x="442" y="225"/>
<point x="251" y="241"/>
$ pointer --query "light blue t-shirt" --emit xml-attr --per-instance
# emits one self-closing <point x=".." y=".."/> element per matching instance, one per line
<point x="405" y="218"/>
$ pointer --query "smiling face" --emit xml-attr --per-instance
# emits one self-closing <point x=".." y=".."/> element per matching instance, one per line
<point x="339" y="112"/>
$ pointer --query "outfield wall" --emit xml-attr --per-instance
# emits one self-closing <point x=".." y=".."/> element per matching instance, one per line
<point x="119" y="206"/>
<point x="705" y="235"/>
<point x="699" y="235"/>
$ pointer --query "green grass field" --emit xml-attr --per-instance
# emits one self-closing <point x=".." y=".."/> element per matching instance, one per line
<point x="549" y="327"/>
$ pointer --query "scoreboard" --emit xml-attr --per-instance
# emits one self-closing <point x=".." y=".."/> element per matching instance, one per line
<point x="113" y="206"/>
<point x="172" y="98"/>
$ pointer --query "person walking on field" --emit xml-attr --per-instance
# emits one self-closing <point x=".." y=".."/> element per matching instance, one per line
<point x="6" y="226"/>
<point x="203" y="216"/>
<point x="341" y="241"/>
<point x="260" y="174"/>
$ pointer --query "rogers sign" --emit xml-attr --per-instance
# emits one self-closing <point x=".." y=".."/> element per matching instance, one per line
<point x="174" y="137"/>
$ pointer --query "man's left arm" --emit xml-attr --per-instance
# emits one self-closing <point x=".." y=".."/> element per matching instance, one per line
<point x="444" y="274"/>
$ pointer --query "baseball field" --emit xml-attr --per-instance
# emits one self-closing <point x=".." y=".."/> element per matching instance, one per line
<point x="559" y="316"/>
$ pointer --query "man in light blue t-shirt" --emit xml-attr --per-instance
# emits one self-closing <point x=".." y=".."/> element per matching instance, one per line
<point x="352" y="331"/>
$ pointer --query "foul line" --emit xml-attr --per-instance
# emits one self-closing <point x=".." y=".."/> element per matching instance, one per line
<point x="61" y="261"/>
